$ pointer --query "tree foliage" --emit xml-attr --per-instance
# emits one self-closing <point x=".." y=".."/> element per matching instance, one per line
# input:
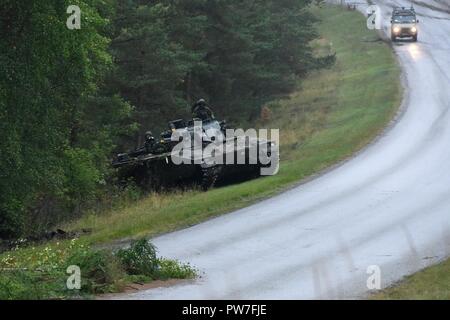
<point x="237" y="54"/>
<point x="53" y="131"/>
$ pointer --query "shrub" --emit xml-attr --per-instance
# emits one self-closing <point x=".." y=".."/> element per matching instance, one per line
<point x="172" y="269"/>
<point x="11" y="218"/>
<point x="40" y="273"/>
<point x="101" y="272"/>
<point x="140" y="258"/>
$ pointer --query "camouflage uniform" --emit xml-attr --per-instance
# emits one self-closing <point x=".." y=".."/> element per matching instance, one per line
<point x="149" y="142"/>
<point x="201" y="111"/>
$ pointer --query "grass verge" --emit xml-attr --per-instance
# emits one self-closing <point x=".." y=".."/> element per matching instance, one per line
<point x="430" y="284"/>
<point x="42" y="273"/>
<point x="332" y="115"/>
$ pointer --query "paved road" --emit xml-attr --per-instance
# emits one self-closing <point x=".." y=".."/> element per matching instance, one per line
<point x="389" y="206"/>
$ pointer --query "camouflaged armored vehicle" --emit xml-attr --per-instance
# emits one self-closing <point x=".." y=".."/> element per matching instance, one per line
<point x="152" y="166"/>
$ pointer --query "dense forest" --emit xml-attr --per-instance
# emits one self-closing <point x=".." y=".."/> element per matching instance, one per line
<point x="69" y="98"/>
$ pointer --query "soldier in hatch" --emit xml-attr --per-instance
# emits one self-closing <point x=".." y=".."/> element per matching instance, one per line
<point x="150" y="142"/>
<point x="200" y="110"/>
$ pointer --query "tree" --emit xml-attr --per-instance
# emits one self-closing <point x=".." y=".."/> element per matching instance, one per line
<point x="237" y="54"/>
<point x="51" y="76"/>
<point x="154" y="48"/>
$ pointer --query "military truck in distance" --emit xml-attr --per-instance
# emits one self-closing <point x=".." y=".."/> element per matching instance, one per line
<point x="152" y="168"/>
<point x="404" y="23"/>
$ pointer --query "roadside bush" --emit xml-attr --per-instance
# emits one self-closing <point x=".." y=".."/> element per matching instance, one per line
<point x="40" y="273"/>
<point x="101" y="272"/>
<point x="140" y="258"/>
<point x="172" y="269"/>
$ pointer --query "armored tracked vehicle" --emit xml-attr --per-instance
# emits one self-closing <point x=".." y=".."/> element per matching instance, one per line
<point x="156" y="165"/>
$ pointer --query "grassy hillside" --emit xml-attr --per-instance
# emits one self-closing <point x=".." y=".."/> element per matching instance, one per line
<point x="332" y="115"/>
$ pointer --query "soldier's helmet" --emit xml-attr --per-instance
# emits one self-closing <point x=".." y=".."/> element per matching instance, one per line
<point x="201" y="103"/>
<point x="149" y="135"/>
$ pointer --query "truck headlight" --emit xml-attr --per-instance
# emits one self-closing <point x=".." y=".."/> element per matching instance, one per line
<point x="396" y="29"/>
<point x="413" y="29"/>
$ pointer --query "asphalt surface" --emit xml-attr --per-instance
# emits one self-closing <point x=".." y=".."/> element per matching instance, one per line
<point x="387" y="207"/>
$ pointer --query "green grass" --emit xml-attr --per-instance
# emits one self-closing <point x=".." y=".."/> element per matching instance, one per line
<point x="40" y="272"/>
<point x="333" y="114"/>
<point x="430" y="284"/>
